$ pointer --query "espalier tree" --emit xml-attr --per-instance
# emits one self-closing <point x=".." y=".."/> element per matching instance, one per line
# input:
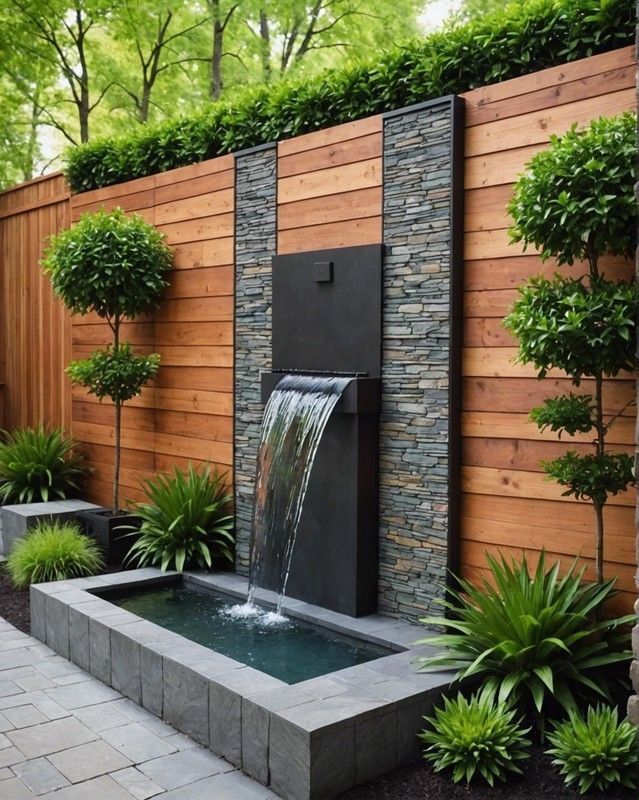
<point x="115" y="265"/>
<point x="576" y="204"/>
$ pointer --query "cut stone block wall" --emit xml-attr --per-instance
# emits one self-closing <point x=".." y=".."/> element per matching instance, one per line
<point x="418" y="459"/>
<point x="255" y="238"/>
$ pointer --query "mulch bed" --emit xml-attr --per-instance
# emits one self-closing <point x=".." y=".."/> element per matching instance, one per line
<point x="541" y="781"/>
<point x="14" y="603"/>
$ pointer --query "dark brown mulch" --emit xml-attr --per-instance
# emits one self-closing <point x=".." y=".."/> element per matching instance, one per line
<point x="541" y="781"/>
<point x="14" y="603"/>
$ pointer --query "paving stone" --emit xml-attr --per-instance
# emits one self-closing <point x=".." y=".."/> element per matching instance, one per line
<point x="4" y="741"/>
<point x="78" y="695"/>
<point x="102" y="788"/>
<point x="230" y="786"/>
<point x="5" y="773"/>
<point x="184" y="767"/>
<point x="100" y="717"/>
<point x="180" y="741"/>
<point x="40" y="775"/>
<point x="50" y="737"/>
<point x="137" y="784"/>
<point x="14" y="789"/>
<point x="24" y="716"/>
<point x="88" y="761"/>
<point x="10" y="756"/>
<point x="137" y="743"/>
<point x="8" y="688"/>
<point x="5" y="725"/>
<point x="31" y="683"/>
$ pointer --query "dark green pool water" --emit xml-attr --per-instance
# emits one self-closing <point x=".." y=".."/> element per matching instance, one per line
<point x="289" y="650"/>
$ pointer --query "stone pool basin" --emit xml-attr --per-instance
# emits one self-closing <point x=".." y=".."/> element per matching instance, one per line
<point x="312" y="739"/>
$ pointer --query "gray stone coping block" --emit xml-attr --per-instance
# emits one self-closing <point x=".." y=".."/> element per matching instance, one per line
<point x="17" y="519"/>
<point x="313" y="739"/>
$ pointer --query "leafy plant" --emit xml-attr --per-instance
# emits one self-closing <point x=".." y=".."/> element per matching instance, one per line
<point x="37" y="465"/>
<point x="516" y="41"/>
<point x="576" y="202"/>
<point x="530" y="636"/>
<point x="53" y="552"/>
<point x="476" y="736"/>
<point x="596" y="751"/>
<point x="115" y="265"/>
<point x="186" y="521"/>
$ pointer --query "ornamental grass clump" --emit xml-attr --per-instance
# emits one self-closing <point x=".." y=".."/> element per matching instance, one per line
<point x="596" y="751"/>
<point x="53" y="552"/>
<point x="532" y="637"/>
<point x="186" y="522"/>
<point x="575" y="204"/>
<point x="476" y="736"/>
<point x="38" y="465"/>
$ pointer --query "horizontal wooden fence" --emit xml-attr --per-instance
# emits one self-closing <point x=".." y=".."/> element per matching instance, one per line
<point x="330" y="186"/>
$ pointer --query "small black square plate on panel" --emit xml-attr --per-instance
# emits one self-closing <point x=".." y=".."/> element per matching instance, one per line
<point x="323" y="271"/>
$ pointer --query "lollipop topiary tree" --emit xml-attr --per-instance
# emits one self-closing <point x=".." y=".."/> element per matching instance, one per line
<point x="576" y="204"/>
<point x="116" y="266"/>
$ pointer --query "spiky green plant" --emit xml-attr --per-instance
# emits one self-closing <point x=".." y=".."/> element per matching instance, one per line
<point x="476" y="736"/>
<point x="186" y="521"/>
<point x="38" y="465"/>
<point x="597" y="751"/>
<point x="53" y="552"/>
<point x="531" y="636"/>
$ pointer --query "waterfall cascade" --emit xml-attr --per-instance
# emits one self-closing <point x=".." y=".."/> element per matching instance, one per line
<point x="294" y="420"/>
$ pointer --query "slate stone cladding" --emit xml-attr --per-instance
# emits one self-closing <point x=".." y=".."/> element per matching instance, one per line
<point x="255" y="243"/>
<point x="415" y="421"/>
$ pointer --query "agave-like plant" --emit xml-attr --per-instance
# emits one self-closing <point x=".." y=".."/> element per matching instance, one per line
<point x="38" y="465"/>
<point x="598" y="750"/>
<point x="186" y="521"/>
<point x="531" y="636"/>
<point x="476" y="736"/>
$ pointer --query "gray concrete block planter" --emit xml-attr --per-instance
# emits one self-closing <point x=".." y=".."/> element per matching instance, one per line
<point x="17" y="519"/>
<point x="312" y="739"/>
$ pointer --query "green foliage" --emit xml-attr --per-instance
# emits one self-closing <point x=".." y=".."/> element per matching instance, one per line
<point x="113" y="263"/>
<point x="38" y="465"/>
<point x="476" y="736"/>
<point x="583" y="330"/>
<point x="571" y="413"/>
<point x="596" y="751"/>
<point x="186" y="521"/>
<point x="530" y="635"/>
<point x="117" y="374"/>
<point x="592" y="477"/>
<point x="53" y="552"/>
<point x="577" y="199"/>
<point x="513" y="42"/>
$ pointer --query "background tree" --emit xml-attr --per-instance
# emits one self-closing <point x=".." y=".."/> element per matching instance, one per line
<point x="576" y="203"/>
<point x="114" y="265"/>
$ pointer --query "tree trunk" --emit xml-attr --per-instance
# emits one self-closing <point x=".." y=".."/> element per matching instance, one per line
<point x="600" y="446"/>
<point x="216" y="60"/>
<point x="265" y="47"/>
<point x="117" y="429"/>
<point x="599" y="542"/>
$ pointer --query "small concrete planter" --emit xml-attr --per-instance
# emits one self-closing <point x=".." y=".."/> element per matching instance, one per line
<point x="18" y="519"/>
<point x="105" y="529"/>
<point x="312" y="739"/>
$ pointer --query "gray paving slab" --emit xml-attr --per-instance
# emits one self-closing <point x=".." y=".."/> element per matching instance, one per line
<point x="66" y="736"/>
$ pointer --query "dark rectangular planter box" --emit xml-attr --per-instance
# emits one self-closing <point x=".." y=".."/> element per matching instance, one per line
<point x="105" y="529"/>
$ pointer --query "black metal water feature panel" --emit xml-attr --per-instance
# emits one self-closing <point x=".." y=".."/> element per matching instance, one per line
<point x="327" y="318"/>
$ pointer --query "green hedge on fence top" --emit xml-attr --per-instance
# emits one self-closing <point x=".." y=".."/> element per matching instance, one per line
<point x="515" y="42"/>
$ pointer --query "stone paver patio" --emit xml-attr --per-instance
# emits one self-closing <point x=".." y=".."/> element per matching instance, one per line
<point x="66" y="736"/>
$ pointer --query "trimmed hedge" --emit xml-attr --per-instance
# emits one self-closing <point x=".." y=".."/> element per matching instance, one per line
<point x="518" y="41"/>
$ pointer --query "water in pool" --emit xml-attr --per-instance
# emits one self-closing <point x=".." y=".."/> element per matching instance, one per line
<point x="282" y="647"/>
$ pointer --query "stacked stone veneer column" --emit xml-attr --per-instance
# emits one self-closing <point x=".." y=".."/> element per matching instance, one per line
<point x="255" y="242"/>
<point x="418" y="472"/>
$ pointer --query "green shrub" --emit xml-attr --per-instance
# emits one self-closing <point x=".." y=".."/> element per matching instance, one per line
<point x="186" y="521"/>
<point x="37" y="465"/>
<point x="516" y="41"/>
<point x="596" y="751"/>
<point x="53" y="552"/>
<point x="476" y="736"/>
<point x="531" y="637"/>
